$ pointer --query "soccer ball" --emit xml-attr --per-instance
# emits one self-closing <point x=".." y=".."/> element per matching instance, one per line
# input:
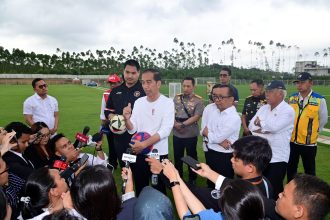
<point x="117" y="124"/>
<point x="141" y="136"/>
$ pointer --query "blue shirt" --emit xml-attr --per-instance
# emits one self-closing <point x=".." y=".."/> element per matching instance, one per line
<point x="207" y="214"/>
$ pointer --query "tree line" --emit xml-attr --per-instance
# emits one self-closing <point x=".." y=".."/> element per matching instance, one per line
<point x="181" y="60"/>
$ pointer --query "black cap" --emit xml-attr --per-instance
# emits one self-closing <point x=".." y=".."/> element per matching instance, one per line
<point x="276" y="84"/>
<point x="303" y="77"/>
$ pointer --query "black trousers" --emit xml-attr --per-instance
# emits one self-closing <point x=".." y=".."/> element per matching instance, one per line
<point x="142" y="174"/>
<point x="121" y="142"/>
<point x="112" y="151"/>
<point x="179" y="145"/>
<point x="220" y="163"/>
<point x="275" y="173"/>
<point x="307" y="153"/>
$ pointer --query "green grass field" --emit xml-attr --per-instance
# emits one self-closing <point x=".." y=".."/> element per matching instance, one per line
<point x="80" y="106"/>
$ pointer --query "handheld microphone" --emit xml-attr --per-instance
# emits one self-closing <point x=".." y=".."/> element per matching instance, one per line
<point x="61" y="163"/>
<point x="67" y="174"/>
<point x="154" y="177"/>
<point x="92" y="140"/>
<point x="81" y="138"/>
<point x="128" y="158"/>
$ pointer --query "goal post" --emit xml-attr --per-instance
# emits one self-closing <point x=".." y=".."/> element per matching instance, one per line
<point x="174" y="88"/>
<point x="204" y="80"/>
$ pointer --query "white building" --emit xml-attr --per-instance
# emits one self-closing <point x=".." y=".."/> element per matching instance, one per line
<point x="312" y="68"/>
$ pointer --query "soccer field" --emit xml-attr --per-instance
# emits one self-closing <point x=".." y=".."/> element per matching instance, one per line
<point x="80" y="106"/>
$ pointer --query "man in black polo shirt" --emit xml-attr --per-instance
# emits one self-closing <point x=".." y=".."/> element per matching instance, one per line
<point x="252" y="104"/>
<point x="128" y="92"/>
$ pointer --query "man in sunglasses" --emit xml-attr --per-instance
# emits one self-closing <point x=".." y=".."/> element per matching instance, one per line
<point x="41" y="106"/>
<point x="224" y="78"/>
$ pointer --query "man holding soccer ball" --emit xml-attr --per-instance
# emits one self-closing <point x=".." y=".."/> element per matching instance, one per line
<point x="153" y="114"/>
<point x="128" y="92"/>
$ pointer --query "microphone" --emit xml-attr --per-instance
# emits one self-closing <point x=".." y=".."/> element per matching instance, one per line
<point x="154" y="177"/>
<point x="61" y="163"/>
<point x="92" y="140"/>
<point x="81" y="138"/>
<point x="67" y="174"/>
<point x="128" y="158"/>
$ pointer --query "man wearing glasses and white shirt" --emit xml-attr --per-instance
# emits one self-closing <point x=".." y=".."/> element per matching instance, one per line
<point x="220" y="128"/>
<point x="41" y="107"/>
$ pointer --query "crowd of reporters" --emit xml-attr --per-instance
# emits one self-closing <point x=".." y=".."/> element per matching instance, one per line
<point x="43" y="175"/>
<point x="32" y="188"/>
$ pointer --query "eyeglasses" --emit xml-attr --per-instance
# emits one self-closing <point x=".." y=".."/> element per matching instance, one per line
<point x="42" y="86"/>
<point x="6" y="170"/>
<point x="220" y="97"/>
<point x="224" y="75"/>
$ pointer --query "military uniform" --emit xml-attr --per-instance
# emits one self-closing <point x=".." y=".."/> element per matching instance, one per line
<point x="186" y="107"/>
<point x="252" y="105"/>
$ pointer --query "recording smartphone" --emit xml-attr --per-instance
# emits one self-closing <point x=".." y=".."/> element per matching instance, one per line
<point x="110" y="167"/>
<point x="192" y="217"/>
<point x="190" y="162"/>
<point x="14" y="139"/>
<point x="83" y="160"/>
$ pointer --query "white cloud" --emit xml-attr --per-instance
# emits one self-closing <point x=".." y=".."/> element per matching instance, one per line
<point x="43" y="25"/>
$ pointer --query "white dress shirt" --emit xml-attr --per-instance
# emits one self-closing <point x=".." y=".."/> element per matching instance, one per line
<point x="41" y="109"/>
<point x="154" y="117"/>
<point x="222" y="125"/>
<point x="276" y="127"/>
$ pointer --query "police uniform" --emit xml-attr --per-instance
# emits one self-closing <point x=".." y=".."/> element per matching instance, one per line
<point x="252" y="105"/>
<point x="186" y="107"/>
<point x="117" y="101"/>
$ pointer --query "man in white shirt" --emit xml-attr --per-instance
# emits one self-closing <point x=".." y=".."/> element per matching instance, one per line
<point x="153" y="114"/>
<point x="41" y="106"/>
<point x="60" y="145"/>
<point x="220" y="128"/>
<point x="274" y="121"/>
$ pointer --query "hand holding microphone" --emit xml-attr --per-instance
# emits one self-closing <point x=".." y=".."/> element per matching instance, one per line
<point x="154" y="177"/>
<point x="127" y="158"/>
<point x="126" y="175"/>
<point x="68" y="173"/>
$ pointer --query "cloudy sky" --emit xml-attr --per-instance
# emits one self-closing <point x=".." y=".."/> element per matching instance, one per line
<point x="79" y="25"/>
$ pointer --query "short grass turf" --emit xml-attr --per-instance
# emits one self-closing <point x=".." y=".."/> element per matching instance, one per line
<point x="80" y="106"/>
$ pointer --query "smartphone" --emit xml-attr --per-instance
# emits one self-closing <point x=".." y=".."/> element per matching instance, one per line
<point x="14" y="139"/>
<point x="190" y="162"/>
<point x="83" y="160"/>
<point x="110" y="167"/>
<point x="192" y="217"/>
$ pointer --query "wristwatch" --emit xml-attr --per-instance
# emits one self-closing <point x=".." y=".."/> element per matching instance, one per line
<point x="174" y="183"/>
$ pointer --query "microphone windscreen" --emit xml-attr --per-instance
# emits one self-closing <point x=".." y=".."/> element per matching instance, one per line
<point x="129" y="151"/>
<point x="86" y="130"/>
<point x="97" y="137"/>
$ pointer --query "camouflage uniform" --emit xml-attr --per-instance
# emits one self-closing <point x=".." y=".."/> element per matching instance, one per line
<point x="188" y="135"/>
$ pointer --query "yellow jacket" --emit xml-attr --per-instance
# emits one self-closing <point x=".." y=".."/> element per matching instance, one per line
<point x="306" y="123"/>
